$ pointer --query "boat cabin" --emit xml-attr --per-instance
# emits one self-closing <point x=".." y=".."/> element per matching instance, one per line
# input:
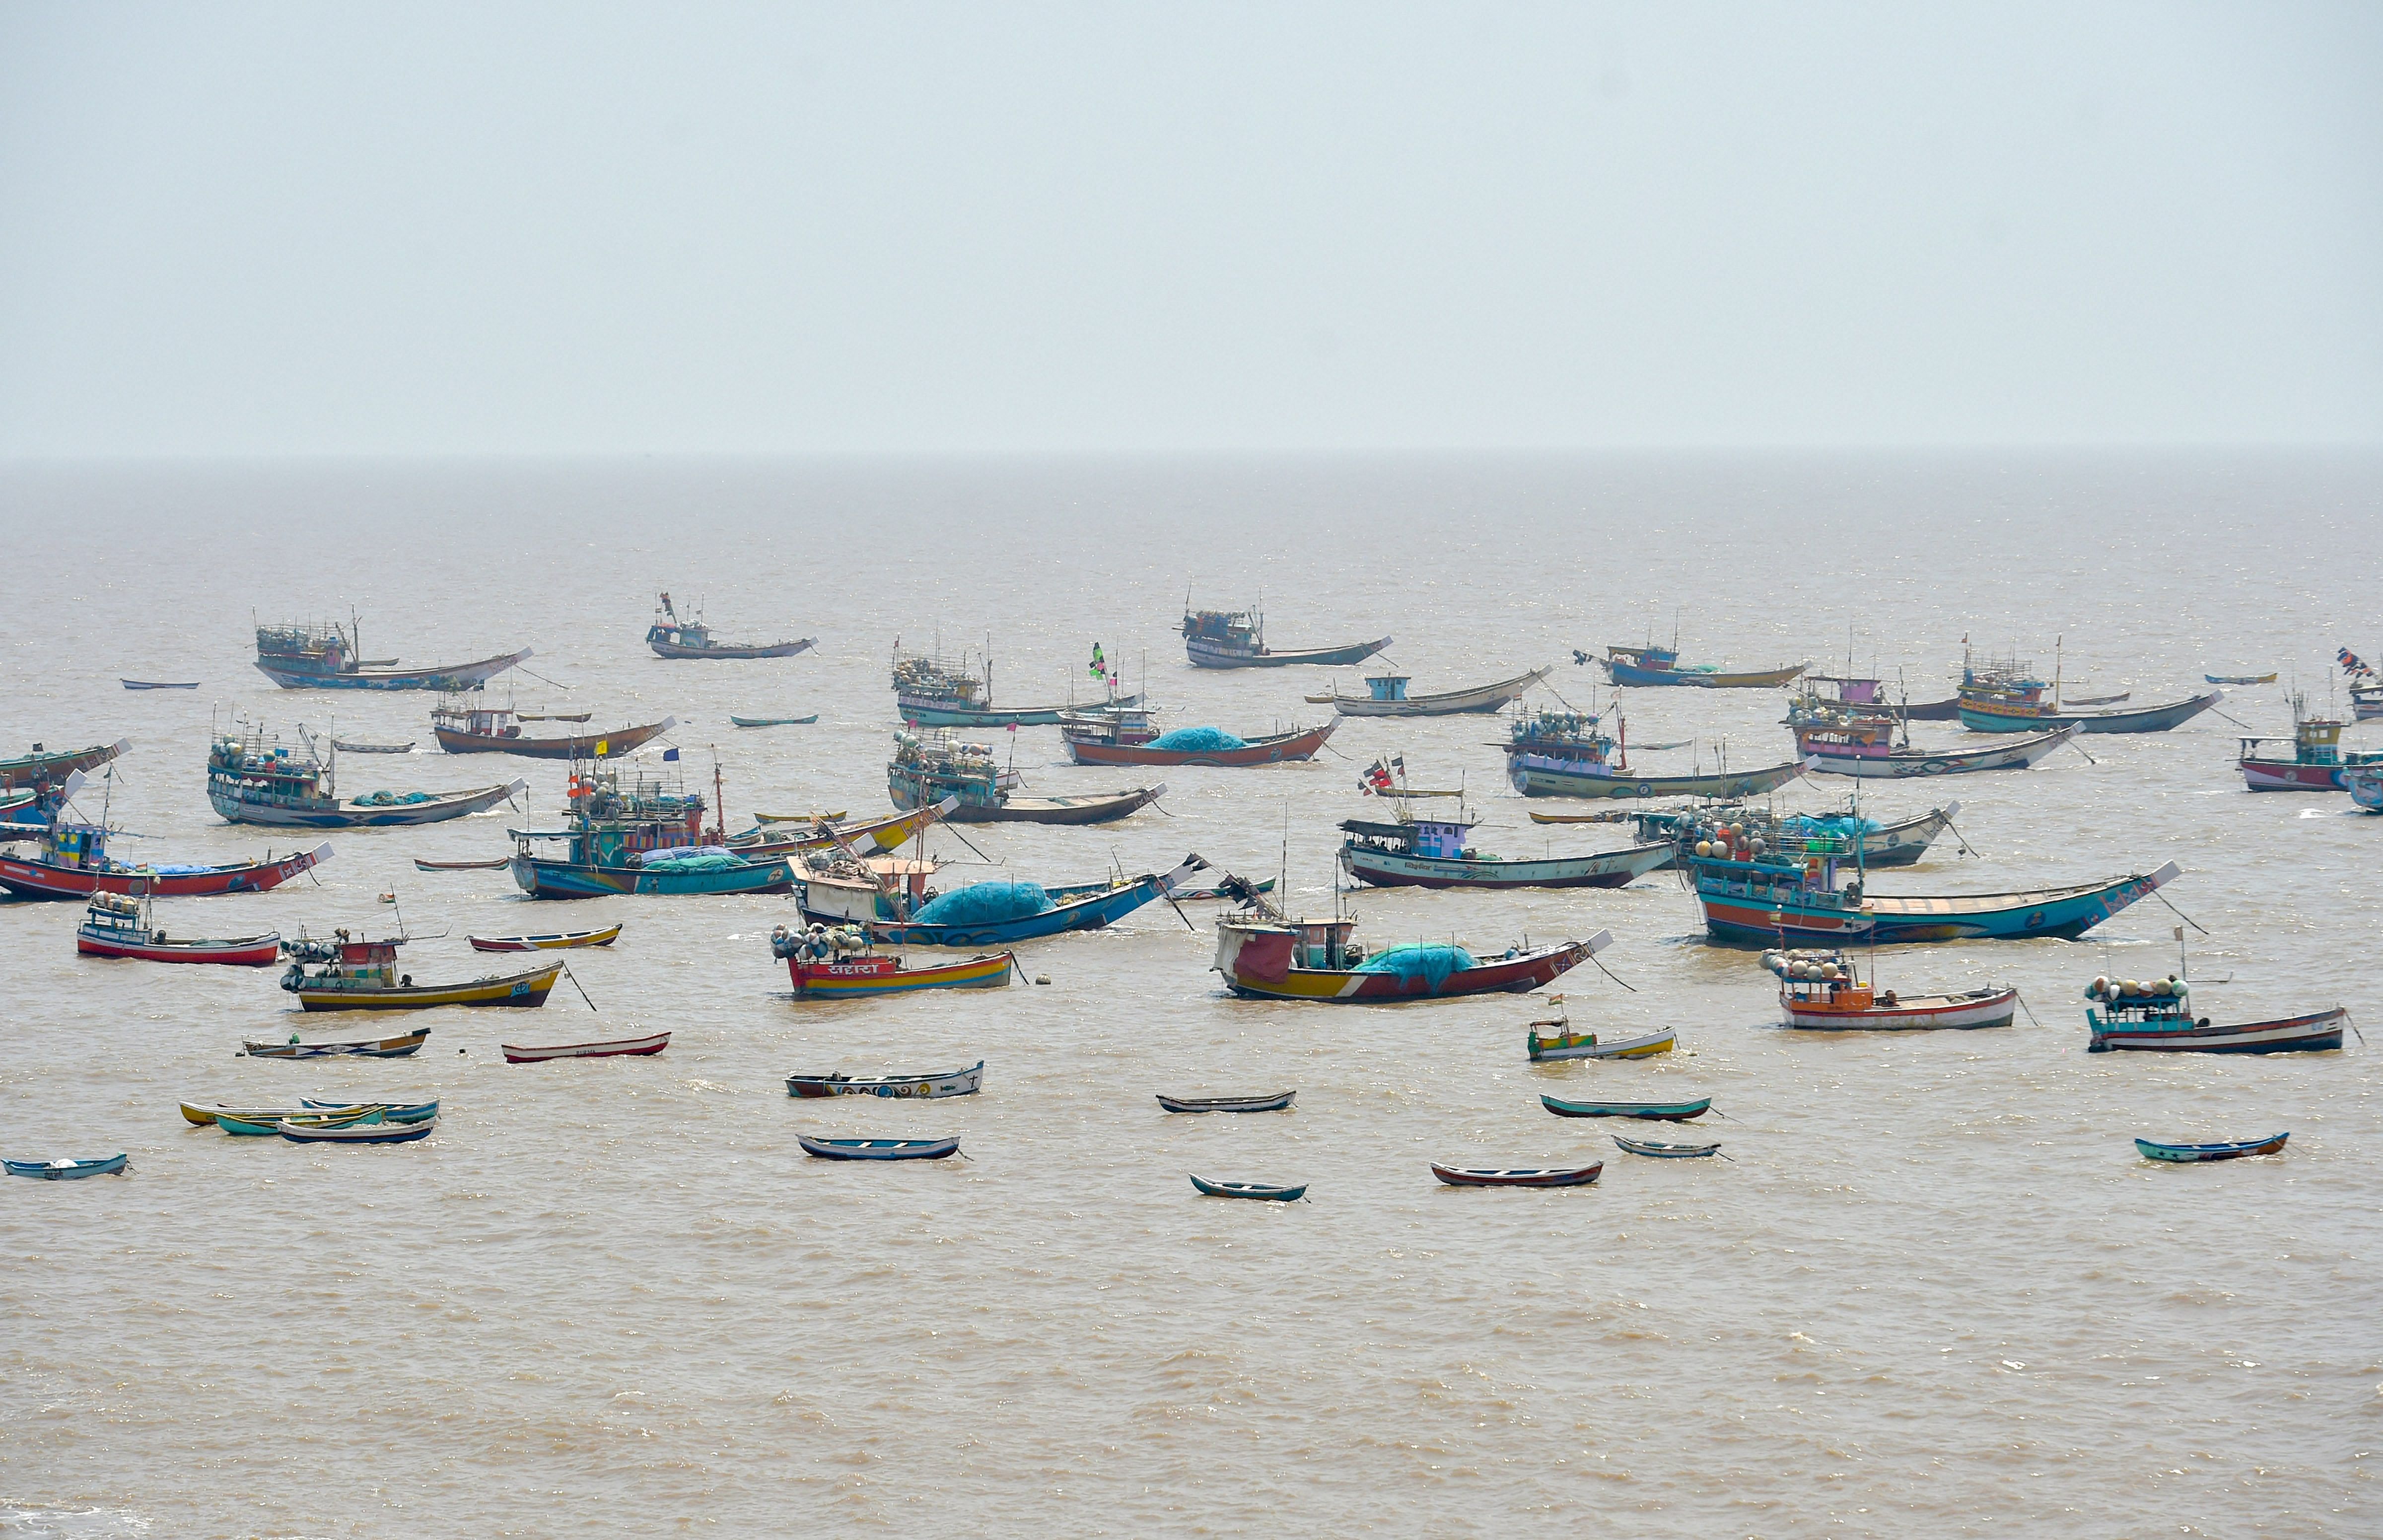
<point x="248" y="769"/>
<point x="115" y="913"/>
<point x="1270" y="950"/>
<point x="940" y="681"/>
<point x="1116" y="727"/>
<point x="1849" y="692"/>
<point x="78" y="846"/>
<point x="610" y="824"/>
<point x="1225" y="630"/>
<point x="1432" y="838"/>
<point x="1799" y="880"/>
<point x="1839" y="738"/>
<point x="316" y="650"/>
<point x="1654" y="660"/>
<point x="480" y="722"/>
<point x="1389" y="686"/>
<point x="1822" y="980"/>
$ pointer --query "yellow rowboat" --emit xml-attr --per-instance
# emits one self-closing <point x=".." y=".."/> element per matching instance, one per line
<point x="552" y="941"/>
<point x="368" y="993"/>
<point x="791" y="838"/>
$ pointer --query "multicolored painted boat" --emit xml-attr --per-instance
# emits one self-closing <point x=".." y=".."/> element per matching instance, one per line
<point x="395" y="1047"/>
<point x="357" y="1133"/>
<point x="1887" y="845"/>
<point x="1265" y="1192"/>
<point x="2155" y="1015"/>
<point x="1090" y="910"/>
<point x="933" y="766"/>
<point x="463" y="728"/>
<point x="354" y="973"/>
<point x="1653" y="1112"/>
<point x="1414" y="852"/>
<point x="1654" y="665"/>
<point x="327" y="658"/>
<point x="879" y="1149"/>
<point x="1820" y="991"/>
<point x="1566" y="754"/>
<point x="618" y="1048"/>
<point x="1518" y="1176"/>
<point x="2318" y="762"/>
<point x="114" y="927"/>
<point x="252" y="779"/>
<point x="1236" y="639"/>
<point x="43" y="769"/>
<point x="1128" y="738"/>
<point x="1562" y="1043"/>
<point x="2365" y="788"/>
<point x="1313" y="960"/>
<point x="74" y="863"/>
<point x="641" y="837"/>
<point x="924" y="1086"/>
<point x="67" y="1170"/>
<point x="1856" y="695"/>
<point x="2006" y="700"/>
<point x="1387" y="696"/>
<point x="2228" y="1149"/>
<point x="1666" y="1152"/>
<point x="672" y="637"/>
<point x="840" y="963"/>
<point x="948" y="692"/>
<point x="551" y="941"/>
<point x="1865" y="747"/>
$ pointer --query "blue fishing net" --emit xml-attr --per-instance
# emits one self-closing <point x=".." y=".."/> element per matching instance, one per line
<point x="706" y="858"/>
<point x="1430" y="964"/>
<point x="1198" y="740"/>
<point x="174" y="870"/>
<point x="986" y="902"/>
<point x="391" y="799"/>
<point x="1827" y="823"/>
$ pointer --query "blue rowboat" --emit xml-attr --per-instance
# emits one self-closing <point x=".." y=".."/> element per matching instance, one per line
<point x="542" y="878"/>
<point x="1666" y="1152"/>
<point x="1773" y="900"/>
<point x="253" y="1127"/>
<point x="774" y="721"/>
<point x="879" y="1149"/>
<point x="1667" y="1112"/>
<point x="393" y="1112"/>
<point x="1522" y="1176"/>
<point x="354" y="1133"/>
<point x="1265" y="1192"/>
<point x="2153" y="1150"/>
<point x="1090" y="912"/>
<point x="67" y="1170"/>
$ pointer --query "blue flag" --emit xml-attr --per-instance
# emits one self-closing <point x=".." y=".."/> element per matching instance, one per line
<point x="670" y="753"/>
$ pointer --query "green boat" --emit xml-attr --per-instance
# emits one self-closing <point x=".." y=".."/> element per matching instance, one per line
<point x="1666" y="1112"/>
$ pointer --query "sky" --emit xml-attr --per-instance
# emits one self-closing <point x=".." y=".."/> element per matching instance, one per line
<point x="510" y="228"/>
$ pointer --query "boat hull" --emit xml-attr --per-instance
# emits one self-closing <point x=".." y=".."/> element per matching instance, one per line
<point x="1532" y="776"/>
<point x="2317" y="1032"/>
<point x="444" y="677"/>
<point x="847" y="980"/>
<point x="1448" y="703"/>
<point x="1208" y="655"/>
<point x="877" y="1149"/>
<point x="542" y="878"/>
<point x="1612" y="868"/>
<point x="2287" y="775"/>
<point x="358" y="814"/>
<point x="561" y="941"/>
<point x="623" y="1048"/>
<point x="30" y="768"/>
<point x="1896" y="844"/>
<point x="248" y="951"/>
<point x="928" y="713"/>
<point x="1753" y="914"/>
<point x="29" y="878"/>
<point x="525" y="989"/>
<point x="1649" y="1112"/>
<point x="381" y="1048"/>
<point x="1906" y="765"/>
<point x="1282" y="749"/>
<point x="1460" y="1175"/>
<point x="620" y="741"/>
<point x="2147" y="719"/>
<point x="1759" y="679"/>
<point x="2231" y="1150"/>
<point x="1105" y="808"/>
<point x="1921" y="1013"/>
<point x="927" y="1087"/>
<point x="1555" y="1050"/>
<point x="1497" y="975"/>
<point x="106" y="1165"/>
<point x="771" y="649"/>
<point x="1088" y="913"/>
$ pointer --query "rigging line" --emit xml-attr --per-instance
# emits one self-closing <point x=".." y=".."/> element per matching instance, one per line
<point x="1965" y="846"/>
<point x="577" y="985"/>
<point x="542" y="679"/>
<point x="955" y="834"/>
<point x="2243" y="725"/>
<point x="1609" y="973"/>
<point x="2025" y="1006"/>
<point x="2180" y="913"/>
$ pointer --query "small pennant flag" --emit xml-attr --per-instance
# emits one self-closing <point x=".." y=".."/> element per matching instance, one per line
<point x="603" y="746"/>
<point x="670" y="753"/>
<point x="1013" y="727"/>
<point x="388" y="898"/>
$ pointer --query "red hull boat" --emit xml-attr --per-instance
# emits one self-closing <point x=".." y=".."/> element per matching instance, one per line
<point x="1281" y="748"/>
<point x="253" y="952"/>
<point x="46" y="879"/>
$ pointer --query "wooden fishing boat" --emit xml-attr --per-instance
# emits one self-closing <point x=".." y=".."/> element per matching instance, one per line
<point x="1387" y="696"/>
<point x="1236" y="639"/>
<point x="393" y="1112"/>
<point x="66" y="1170"/>
<point x="1523" y="1175"/>
<point x="1565" y="754"/>
<point x="352" y="745"/>
<point x="779" y="834"/>
<point x="1807" y="894"/>
<point x="2016" y="709"/>
<point x="1271" y="1102"/>
<point x="948" y="691"/>
<point x="551" y="941"/>
<point x="1654" y="665"/>
<point x="119" y="926"/>
<point x="395" y="1047"/>
<point x="2239" y="678"/>
<point x="2317" y="763"/>
<point x="933" y="766"/>
<point x="927" y="1085"/>
<point x="1660" y="1111"/>
<point x="619" y="1048"/>
<point x="358" y="1133"/>
<point x="2072" y="701"/>
<point x="879" y="1149"/>
<point x="498" y="864"/>
<point x="2228" y="1149"/>
<point x="1888" y="845"/>
<point x="356" y="974"/>
<point x="41" y="768"/>
<point x="839" y="964"/>
<point x="252" y="779"/>
<point x="266" y="1117"/>
<point x="1855" y="694"/>
<point x="253" y="1127"/>
<point x="2155" y="1015"/>
<point x="74" y="863"/>
<point x="774" y="721"/>
<point x="1565" y="1043"/>
<point x="1865" y="747"/>
<point x="462" y="727"/>
<point x="1313" y="960"/>
<point x="1090" y="911"/>
<point x="1265" y="1192"/>
<point x="1666" y="1152"/>
<point x="1414" y="852"/>
<point x="673" y="637"/>
<point x="327" y="657"/>
<point x="1215" y="891"/>
<point x="2365" y="788"/>
<point x="1820" y="991"/>
<point x="1111" y="739"/>
<point x="641" y="838"/>
<point x="157" y="685"/>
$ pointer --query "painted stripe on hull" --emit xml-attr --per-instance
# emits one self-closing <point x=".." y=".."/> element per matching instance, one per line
<point x="543" y="878"/>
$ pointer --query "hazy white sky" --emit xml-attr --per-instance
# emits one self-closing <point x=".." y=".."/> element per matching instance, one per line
<point x="331" y="228"/>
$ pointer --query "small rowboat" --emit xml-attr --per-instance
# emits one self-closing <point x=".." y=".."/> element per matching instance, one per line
<point x="1565" y="1043"/>
<point x="263" y="1125"/>
<point x="1525" y="1175"/>
<point x="357" y="1133"/>
<point x="1666" y="1152"/>
<point x="552" y="941"/>
<point x="1666" y="1112"/>
<point x="2153" y="1150"/>
<point x="923" y="1087"/>
<point x="1262" y="1192"/>
<point x="618" y="1049"/>
<point x="2239" y="678"/>
<point x="497" y="865"/>
<point x="393" y="1112"/>
<point x="64" y="1170"/>
<point x="775" y="721"/>
<point x="371" y="1048"/>
<point x="879" y="1149"/>
<point x="177" y="684"/>
<point x="344" y="747"/>
<point x="1278" y="1102"/>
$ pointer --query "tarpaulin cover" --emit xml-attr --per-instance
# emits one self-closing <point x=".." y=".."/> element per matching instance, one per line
<point x="1197" y="740"/>
<point x="1430" y="964"/>
<point x="984" y="904"/>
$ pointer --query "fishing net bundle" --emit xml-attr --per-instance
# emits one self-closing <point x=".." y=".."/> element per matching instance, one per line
<point x="1197" y="740"/>
<point x="1827" y="823"/>
<point x="706" y="858"/>
<point x="392" y="799"/>
<point x="986" y="904"/>
<point x="1430" y="964"/>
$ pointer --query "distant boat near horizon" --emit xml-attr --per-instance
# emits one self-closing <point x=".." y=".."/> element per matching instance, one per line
<point x="157" y="685"/>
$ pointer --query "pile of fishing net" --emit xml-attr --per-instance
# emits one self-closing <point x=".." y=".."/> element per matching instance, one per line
<point x="1430" y="964"/>
<point x="986" y="904"/>
<point x="1806" y="825"/>
<point x="693" y="858"/>
<point x="1197" y="740"/>
<point x="391" y="799"/>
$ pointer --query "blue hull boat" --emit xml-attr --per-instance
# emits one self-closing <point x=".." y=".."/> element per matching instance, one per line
<point x="1090" y="912"/>
<point x="2182" y="1154"/>
<point x="67" y="1170"/>
<point x="541" y="878"/>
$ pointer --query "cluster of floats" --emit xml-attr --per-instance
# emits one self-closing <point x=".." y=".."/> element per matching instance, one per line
<point x="1792" y="883"/>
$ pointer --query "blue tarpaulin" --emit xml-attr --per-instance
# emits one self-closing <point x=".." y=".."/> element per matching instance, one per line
<point x="984" y="904"/>
<point x="702" y="858"/>
<point x="1197" y="740"/>
<point x="1431" y="964"/>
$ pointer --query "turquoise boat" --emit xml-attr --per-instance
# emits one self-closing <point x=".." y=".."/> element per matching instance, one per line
<point x="1265" y="1192"/>
<point x="2227" y="1150"/>
<point x="639" y="838"/>
<point x="1663" y="1112"/>
<point x="68" y="1170"/>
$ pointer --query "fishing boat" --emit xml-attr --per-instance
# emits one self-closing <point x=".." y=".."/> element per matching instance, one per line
<point x="353" y="973"/>
<point x="495" y="863"/>
<point x="73" y="863"/>
<point x="1236" y="639"/>
<point x="390" y="1112"/>
<point x="1013" y="912"/>
<point x="673" y="637"/>
<point x="774" y="721"/>
<point x="327" y="657"/>
<point x="2365" y="788"/>
<point x="266" y="1117"/>
<point x="356" y="1133"/>
<point x="42" y="770"/>
<point x="1654" y="665"/>
<point x="1128" y="738"/>
<point x="463" y="728"/>
<point x="158" y="684"/>
<point x="1387" y="696"/>
<point x="252" y="779"/>
<point x="352" y="745"/>
<point x="842" y="964"/>
<point x="778" y="834"/>
<point x="244" y="1127"/>
<point x="121" y="927"/>
<point x="1566" y="754"/>
<point x="67" y="1170"/>
<point x="1858" y="695"/>
<point x="1657" y="1111"/>
<point x="1562" y="1043"/>
<point x="2228" y="1149"/>
<point x="1314" y="960"/>
<point x="1820" y="990"/>
<point x="950" y="692"/>
<point x="1279" y="1101"/>
<point x="931" y="766"/>
<point x="2318" y="760"/>
<point x="1808" y="893"/>
<point x="1865" y="747"/>
<point x="1519" y="1176"/>
<point x="396" y="1047"/>
<point x="550" y="940"/>
<point x="926" y="1085"/>
<point x="1880" y="845"/>
<point x="1412" y="851"/>
<point x="1265" y="1192"/>
<point x="1666" y="1152"/>
<point x="2238" y="678"/>
<point x="879" y="1149"/>
<point x="640" y="837"/>
<point x="2155" y="1015"/>
<point x="619" y="1048"/>
<point x="2000" y="699"/>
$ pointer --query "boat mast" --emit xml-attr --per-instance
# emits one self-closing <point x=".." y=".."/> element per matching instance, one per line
<point x="719" y="801"/>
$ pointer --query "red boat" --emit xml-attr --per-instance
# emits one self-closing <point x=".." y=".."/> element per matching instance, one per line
<point x="73" y="863"/>
<point x="120" y="927"/>
<point x="1314" y="960"/>
<point x="1128" y="738"/>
